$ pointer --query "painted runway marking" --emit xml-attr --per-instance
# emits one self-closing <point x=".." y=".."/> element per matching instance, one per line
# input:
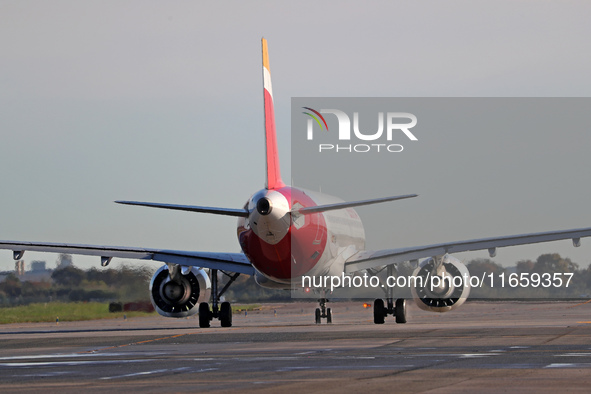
<point x="43" y="375"/>
<point x="573" y="355"/>
<point x="70" y="363"/>
<point x="131" y="375"/>
<point x="512" y="366"/>
<point x="345" y="367"/>
<point x="264" y="358"/>
<point x="74" y="355"/>
<point x="569" y="365"/>
<point x="461" y="355"/>
<point x="289" y="369"/>
<point x="582" y="303"/>
<point x="135" y="343"/>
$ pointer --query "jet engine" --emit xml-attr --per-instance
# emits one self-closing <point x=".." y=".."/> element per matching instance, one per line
<point x="442" y="284"/>
<point x="179" y="294"/>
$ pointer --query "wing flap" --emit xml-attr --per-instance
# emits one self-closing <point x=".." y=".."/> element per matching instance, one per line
<point x="370" y="259"/>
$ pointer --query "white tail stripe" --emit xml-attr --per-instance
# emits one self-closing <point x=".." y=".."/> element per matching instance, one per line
<point x="267" y="81"/>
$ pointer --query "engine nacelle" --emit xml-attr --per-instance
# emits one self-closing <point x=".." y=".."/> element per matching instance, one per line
<point x="179" y="298"/>
<point x="444" y="287"/>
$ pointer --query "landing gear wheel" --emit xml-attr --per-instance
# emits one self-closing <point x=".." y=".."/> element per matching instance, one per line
<point x="379" y="312"/>
<point x="328" y="316"/>
<point x="400" y="311"/>
<point x="204" y="315"/>
<point x="226" y="314"/>
<point x="318" y="316"/>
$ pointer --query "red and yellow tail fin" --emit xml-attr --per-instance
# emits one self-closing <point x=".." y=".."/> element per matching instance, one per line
<point x="273" y="172"/>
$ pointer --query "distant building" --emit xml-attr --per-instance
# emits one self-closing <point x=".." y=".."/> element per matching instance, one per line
<point x="37" y="266"/>
<point x="64" y="260"/>
<point x="38" y="272"/>
<point x="38" y="269"/>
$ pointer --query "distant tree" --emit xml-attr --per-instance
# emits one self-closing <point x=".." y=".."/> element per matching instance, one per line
<point x="133" y="283"/>
<point x="584" y="280"/>
<point x="108" y="276"/>
<point x="11" y="286"/>
<point x="552" y="262"/>
<point x="130" y="282"/>
<point x="478" y="267"/>
<point x="490" y="271"/>
<point x="78" y="295"/>
<point x="525" y="266"/>
<point x="68" y="277"/>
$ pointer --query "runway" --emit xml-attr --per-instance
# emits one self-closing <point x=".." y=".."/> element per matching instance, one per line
<point x="483" y="346"/>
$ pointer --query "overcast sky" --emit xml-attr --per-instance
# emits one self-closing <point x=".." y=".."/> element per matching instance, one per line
<point x="162" y="101"/>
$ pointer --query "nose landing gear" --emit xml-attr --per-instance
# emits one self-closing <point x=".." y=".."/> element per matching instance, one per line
<point x="323" y="312"/>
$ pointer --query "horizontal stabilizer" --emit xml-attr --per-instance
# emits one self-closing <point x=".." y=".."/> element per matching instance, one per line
<point x="191" y="208"/>
<point x="342" y="205"/>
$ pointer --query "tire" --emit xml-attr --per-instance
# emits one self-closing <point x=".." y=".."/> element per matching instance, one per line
<point x="328" y="315"/>
<point x="379" y="312"/>
<point x="204" y="315"/>
<point x="318" y="314"/>
<point x="226" y="314"/>
<point x="400" y="311"/>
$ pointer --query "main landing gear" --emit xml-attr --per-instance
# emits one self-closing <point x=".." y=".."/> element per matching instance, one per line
<point x="396" y="309"/>
<point x="222" y="312"/>
<point x="323" y="312"/>
<point x="380" y="311"/>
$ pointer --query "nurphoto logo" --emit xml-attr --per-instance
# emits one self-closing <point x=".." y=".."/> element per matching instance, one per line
<point x="397" y="123"/>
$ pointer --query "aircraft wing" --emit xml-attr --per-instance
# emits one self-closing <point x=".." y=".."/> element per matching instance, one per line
<point x="235" y="262"/>
<point x="371" y="259"/>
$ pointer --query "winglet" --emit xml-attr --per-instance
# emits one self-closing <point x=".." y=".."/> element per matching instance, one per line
<point x="273" y="172"/>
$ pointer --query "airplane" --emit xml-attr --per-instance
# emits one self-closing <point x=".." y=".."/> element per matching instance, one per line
<point x="286" y="233"/>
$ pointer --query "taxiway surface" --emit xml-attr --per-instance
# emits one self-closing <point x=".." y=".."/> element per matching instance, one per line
<point x="483" y="346"/>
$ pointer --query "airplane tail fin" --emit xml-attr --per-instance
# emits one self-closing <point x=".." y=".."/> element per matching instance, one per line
<point x="273" y="172"/>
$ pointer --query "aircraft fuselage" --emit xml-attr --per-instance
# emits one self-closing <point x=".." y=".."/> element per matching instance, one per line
<point x="283" y="244"/>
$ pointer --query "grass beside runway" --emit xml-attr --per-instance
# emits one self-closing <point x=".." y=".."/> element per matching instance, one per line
<point x="65" y="311"/>
<point x="76" y="311"/>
